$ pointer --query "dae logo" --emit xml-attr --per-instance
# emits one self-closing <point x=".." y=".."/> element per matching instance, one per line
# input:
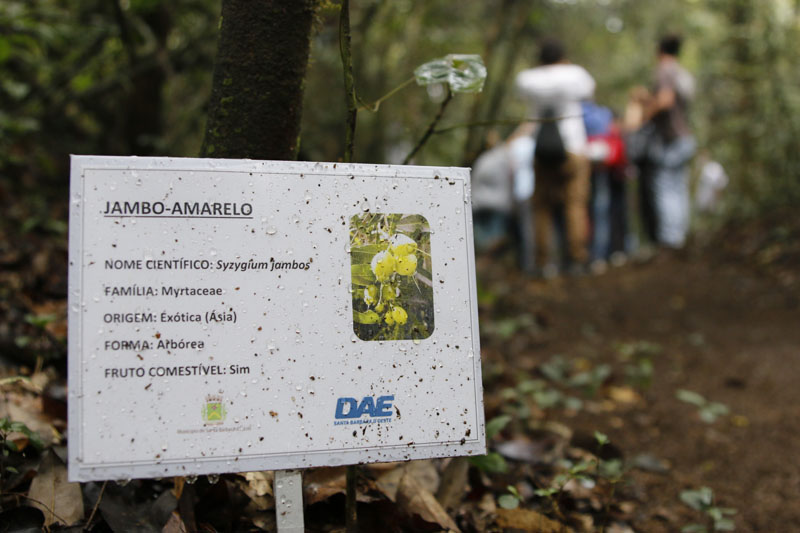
<point x="352" y="411"/>
<point x="214" y="410"/>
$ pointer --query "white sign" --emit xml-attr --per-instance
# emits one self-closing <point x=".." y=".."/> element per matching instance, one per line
<point x="230" y="315"/>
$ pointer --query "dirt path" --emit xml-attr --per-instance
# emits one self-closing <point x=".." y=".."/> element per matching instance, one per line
<point x="723" y="332"/>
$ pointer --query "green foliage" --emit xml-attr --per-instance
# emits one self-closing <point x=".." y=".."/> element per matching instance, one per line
<point x="638" y="358"/>
<point x="496" y="425"/>
<point x="7" y="426"/>
<point x="510" y="500"/>
<point x="491" y="463"/>
<point x="78" y="77"/>
<point x="462" y="73"/>
<point x="708" y="411"/>
<point x="702" y="500"/>
<point x="40" y="321"/>
<point x="612" y="469"/>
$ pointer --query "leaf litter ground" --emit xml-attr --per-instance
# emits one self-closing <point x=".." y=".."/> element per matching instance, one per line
<point x="604" y="393"/>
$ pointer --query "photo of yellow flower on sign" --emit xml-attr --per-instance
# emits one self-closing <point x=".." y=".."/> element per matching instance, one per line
<point x="390" y="266"/>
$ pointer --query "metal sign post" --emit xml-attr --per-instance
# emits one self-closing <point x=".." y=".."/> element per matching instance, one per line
<point x="289" y="501"/>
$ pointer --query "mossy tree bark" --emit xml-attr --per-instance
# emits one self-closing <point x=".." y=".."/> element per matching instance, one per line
<point x="257" y="92"/>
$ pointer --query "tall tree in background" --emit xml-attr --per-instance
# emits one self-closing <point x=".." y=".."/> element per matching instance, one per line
<point x="257" y="92"/>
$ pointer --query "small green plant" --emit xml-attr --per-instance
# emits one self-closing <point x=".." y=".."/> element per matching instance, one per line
<point x="559" y="371"/>
<point x="708" y="411"/>
<point x="633" y="350"/>
<point x="638" y="358"/>
<point x="505" y="328"/>
<point x="556" y="369"/>
<point x="611" y="471"/>
<point x="571" y="471"/>
<point x="590" y="380"/>
<point x="511" y="500"/>
<point x="492" y="462"/>
<point x="543" y="395"/>
<point x="717" y="518"/>
<point x="40" y="322"/>
<point x="8" y="427"/>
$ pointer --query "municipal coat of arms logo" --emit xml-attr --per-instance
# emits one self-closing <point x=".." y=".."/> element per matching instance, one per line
<point x="214" y="409"/>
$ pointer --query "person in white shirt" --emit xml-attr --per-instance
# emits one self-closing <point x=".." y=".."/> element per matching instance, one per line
<point x="554" y="92"/>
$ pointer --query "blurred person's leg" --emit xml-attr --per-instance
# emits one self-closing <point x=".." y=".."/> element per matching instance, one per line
<point x="647" y="211"/>
<point x="576" y="198"/>
<point x="601" y="214"/>
<point x="671" y="192"/>
<point x="543" y="200"/>
<point x="526" y="237"/>
<point x="618" y="214"/>
<point x="672" y="205"/>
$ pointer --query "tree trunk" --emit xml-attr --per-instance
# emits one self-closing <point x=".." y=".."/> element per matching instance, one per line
<point x="257" y="92"/>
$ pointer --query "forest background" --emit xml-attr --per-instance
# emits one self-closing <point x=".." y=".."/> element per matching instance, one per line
<point x="133" y="77"/>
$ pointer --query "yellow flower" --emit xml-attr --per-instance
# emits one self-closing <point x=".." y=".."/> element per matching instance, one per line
<point x="388" y="293"/>
<point x="388" y="318"/>
<point x="399" y="314"/>
<point x="382" y="265"/>
<point x="370" y="317"/>
<point x="406" y="265"/>
<point x="401" y="244"/>
<point x="371" y="294"/>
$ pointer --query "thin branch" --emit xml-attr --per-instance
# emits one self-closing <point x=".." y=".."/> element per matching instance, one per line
<point x="431" y="127"/>
<point x="377" y="103"/>
<point x="34" y="500"/>
<point x="125" y="31"/>
<point x="500" y="122"/>
<point x="96" y="505"/>
<point x="349" y="85"/>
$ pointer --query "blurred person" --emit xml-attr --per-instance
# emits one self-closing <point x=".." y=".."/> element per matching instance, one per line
<point x="663" y="146"/>
<point x="522" y="147"/>
<point x="609" y="206"/>
<point x="597" y="120"/>
<point x="502" y="186"/>
<point x="710" y="183"/>
<point x="492" y="196"/>
<point x="553" y="92"/>
<point x="619" y="172"/>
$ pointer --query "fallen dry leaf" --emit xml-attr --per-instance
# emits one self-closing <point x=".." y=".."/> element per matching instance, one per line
<point x="27" y="409"/>
<point x="527" y="520"/>
<point x="424" y="472"/>
<point x="60" y="501"/>
<point x="174" y="524"/>
<point x="454" y="483"/>
<point x="260" y="482"/>
<point x="319" y="484"/>
<point x="623" y="395"/>
<point x="258" y="487"/>
<point x="617" y="527"/>
<point x="585" y="522"/>
<point x="522" y="449"/>
<point x="414" y="499"/>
